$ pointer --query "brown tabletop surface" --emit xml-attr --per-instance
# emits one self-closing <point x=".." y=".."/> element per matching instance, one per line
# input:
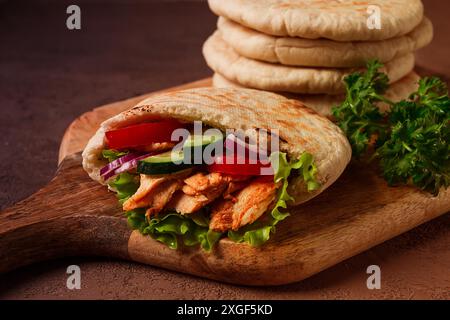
<point x="49" y="75"/>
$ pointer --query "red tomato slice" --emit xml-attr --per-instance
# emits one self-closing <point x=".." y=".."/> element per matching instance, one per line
<point x="141" y="134"/>
<point x="230" y="165"/>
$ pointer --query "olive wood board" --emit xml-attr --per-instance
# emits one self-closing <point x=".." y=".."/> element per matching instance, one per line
<point x="74" y="215"/>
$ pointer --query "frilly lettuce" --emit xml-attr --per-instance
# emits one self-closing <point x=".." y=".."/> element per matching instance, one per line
<point x="173" y="227"/>
<point x="125" y="185"/>
<point x="111" y="155"/>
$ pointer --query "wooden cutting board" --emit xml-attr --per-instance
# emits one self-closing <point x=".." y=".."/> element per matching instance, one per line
<point x="74" y="215"/>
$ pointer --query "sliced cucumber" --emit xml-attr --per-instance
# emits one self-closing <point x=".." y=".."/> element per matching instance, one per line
<point x="171" y="161"/>
<point x="164" y="163"/>
<point x="195" y="146"/>
<point x="197" y="141"/>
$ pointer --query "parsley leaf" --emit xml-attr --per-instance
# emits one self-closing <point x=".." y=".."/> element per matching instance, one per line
<point x="418" y="150"/>
<point x="358" y="116"/>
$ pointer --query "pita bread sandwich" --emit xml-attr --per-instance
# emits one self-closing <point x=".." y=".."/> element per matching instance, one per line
<point x="194" y="166"/>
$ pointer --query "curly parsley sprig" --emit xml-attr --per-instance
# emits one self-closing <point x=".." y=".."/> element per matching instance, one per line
<point x="358" y="116"/>
<point x="412" y="139"/>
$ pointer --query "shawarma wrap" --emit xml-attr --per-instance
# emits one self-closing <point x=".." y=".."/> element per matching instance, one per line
<point x="200" y="203"/>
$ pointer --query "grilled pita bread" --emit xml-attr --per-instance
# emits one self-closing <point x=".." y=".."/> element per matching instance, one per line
<point x="322" y="103"/>
<point x="321" y="52"/>
<point x="301" y="129"/>
<point x="340" y="20"/>
<point x="274" y="77"/>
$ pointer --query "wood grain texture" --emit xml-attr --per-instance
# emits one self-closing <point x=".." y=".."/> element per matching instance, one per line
<point x="75" y="216"/>
<point x="70" y="216"/>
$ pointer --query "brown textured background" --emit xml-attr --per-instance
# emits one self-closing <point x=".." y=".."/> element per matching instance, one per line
<point x="49" y="75"/>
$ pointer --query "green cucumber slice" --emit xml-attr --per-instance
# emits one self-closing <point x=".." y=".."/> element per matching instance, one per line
<point x="195" y="141"/>
<point x="195" y="146"/>
<point x="174" y="161"/>
<point x="164" y="163"/>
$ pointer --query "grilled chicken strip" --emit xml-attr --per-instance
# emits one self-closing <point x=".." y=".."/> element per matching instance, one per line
<point x="148" y="187"/>
<point x="198" y="191"/>
<point x="234" y="186"/>
<point x="202" y="184"/>
<point x="250" y="204"/>
<point x="202" y="189"/>
<point x="161" y="196"/>
<point x="186" y="204"/>
<point x="222" y="216"/>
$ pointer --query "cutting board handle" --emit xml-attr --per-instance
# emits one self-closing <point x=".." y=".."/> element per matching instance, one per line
<point x="63" y="218"/>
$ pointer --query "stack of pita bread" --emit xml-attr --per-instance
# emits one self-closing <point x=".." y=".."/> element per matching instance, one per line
<point x="304" y="48"/>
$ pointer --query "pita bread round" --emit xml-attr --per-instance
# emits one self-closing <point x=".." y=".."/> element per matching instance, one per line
<point x="322" y="103"/>
<point x="300" y="129"/>
<point x="340" y="20"/>
<point x="275" y="77"/>
<point x="321" y="52"/>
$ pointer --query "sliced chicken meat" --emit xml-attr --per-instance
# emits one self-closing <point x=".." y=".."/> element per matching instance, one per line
<point x="222" y="216"/>
<point x="249" y="204"/>
<point x="200" y="190"/>
<point x="201" y="183"/>
<point x="186" y="204"/>
<point x="234" y="186"/>
<point x="161" y="196"/>
<point x="188" y="195"/>
<point x="152" y="185"/>
<point x="148" y="184"/>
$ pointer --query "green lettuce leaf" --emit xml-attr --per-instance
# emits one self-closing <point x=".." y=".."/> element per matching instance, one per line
<point x="125" y="185"/>
<point x="112" y="155"/>
<point x="172" y="228"/>
<point x="136" y="219"/>
<point x="257" y="233"/>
